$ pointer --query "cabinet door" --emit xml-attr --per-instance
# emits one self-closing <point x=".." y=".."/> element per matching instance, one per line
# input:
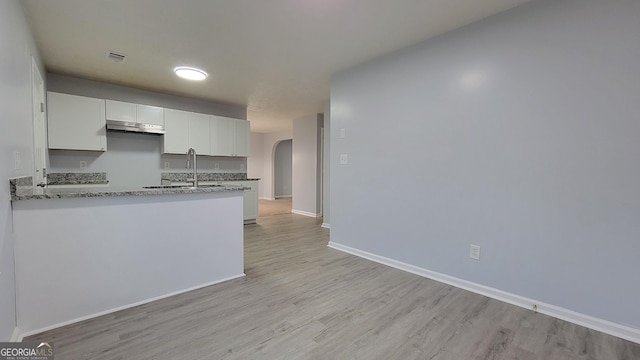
<point x="176" y="124"/>
<point x="119" y="110"/>
<point x="148" y="114"/>
<point x="199" y="133"/>
<point x="251" y="200"/>
<point x="76" y="122"/>
<point x="222" y="136"/>
<point x="242" y="138"/>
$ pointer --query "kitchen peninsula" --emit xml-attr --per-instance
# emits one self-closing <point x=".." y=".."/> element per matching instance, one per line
<point x="81" y="253"/>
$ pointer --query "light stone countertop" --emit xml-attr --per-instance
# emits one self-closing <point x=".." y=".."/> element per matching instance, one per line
<point x="28" y="193"/>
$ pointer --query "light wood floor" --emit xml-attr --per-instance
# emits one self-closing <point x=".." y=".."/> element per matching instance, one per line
<point x="302" y="300"/>
<point x="274" y="207"/>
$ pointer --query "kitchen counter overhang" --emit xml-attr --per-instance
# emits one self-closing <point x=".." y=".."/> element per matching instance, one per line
<point x="28" y="193"/>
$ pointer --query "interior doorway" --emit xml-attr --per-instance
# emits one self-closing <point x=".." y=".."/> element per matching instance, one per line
<point x="283" y="169"/>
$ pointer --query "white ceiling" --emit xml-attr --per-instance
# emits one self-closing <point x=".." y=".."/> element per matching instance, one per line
<point x="274" y="56"/>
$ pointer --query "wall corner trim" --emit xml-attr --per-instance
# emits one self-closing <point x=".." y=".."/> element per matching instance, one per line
<point x="325" y="225"/>
<point x="605" y="326"/>
<point x="16" y="336"/>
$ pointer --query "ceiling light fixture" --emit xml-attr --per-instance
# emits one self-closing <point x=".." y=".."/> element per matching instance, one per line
<point x="190" y="73"/>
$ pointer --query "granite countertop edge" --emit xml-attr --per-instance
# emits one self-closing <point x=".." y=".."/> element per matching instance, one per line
<point x="85" y="193"/>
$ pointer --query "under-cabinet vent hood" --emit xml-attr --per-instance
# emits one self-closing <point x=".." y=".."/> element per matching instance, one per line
<point x="116" y="125"/>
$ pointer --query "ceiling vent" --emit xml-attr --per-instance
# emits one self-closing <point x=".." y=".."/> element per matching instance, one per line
<point x="115" y="57"/>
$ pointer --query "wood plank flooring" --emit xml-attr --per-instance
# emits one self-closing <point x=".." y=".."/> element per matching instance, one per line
<point x="302" y="300"/>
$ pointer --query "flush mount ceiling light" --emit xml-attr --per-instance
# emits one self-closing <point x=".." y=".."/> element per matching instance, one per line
<point x="190" y="73"/>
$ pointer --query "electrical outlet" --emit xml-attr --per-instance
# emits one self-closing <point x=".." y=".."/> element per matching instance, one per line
<point x="474" y="252"/>
<point x="216" y="166"/>
<point x="83" y="165"/>
<point x="167" y="165"/>
<point x="344" y="159"/>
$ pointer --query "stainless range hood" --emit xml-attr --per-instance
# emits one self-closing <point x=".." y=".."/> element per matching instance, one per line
<point x="127" y="126"/>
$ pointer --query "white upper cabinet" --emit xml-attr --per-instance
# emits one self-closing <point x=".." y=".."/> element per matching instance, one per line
<point x="124" y="111"/>
<point x="147" y="114"/>
<point x="229" y="137"/>
<point x="242" y="137"/>
<point x="176" y="125"/>
<point x="222" y="133"/>
<point x="186" y="130"/>
<point x="76" y="122"/>
<point x="199" y="132"/>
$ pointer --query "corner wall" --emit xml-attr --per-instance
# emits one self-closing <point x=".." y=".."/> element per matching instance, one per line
<point x="519" y="134"/>
<point x="16" y="46"/>
<point x="305" y="161"/>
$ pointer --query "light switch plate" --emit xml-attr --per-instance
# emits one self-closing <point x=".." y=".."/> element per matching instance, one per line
<point x="344" y="159"/>
<point x="343" y="133"/>
<point x="474" y="252"/>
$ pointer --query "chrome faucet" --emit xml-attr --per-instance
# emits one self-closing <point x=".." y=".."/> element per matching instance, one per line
<point x="192" y="153"/>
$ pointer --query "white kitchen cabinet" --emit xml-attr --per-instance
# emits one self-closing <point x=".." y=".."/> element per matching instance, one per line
<point x="250" y="199"/>
<point x="242" y="138"/>
<point x="186" y="130"/>
<point x="120" y="110"/>
<point x="176" y="125"/>
<point x="138" y="113"/>
<point x="76" y="122"/>
<point x="199" y="132"/>
<point x="229" y="137"/>
<point x="222" y="133"/>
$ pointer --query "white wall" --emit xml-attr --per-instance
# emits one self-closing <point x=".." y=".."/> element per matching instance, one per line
<point x="305" y="169"/>
<point x="130" y="249"/>
<point x="16" y="134"/>
<point x="268" y="150"/>
<point x="519" y="134"/>
<point x="326" y="194"/>
<point x="255" y="161"/>
<point x="283" y="169"/>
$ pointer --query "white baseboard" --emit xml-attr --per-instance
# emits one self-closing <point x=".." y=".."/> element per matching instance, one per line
<point x="326" y="226"/>
<point x="305" y="213"/>
<point x="605" y="326"/>
<point x="267" y="198"/>
<point x="15" y="337"/>
<point x="65" y="323"/>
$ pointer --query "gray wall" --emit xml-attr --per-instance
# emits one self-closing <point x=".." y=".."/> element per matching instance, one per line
<point x="282" y="172"/>
<point x="135" y="159"/>
<point x="519" y="134"/>
<point x="305" y="149"/>
<point x="16" y="47"/>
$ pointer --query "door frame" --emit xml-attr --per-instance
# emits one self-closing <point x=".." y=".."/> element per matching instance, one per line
<point x="39" y="119"/>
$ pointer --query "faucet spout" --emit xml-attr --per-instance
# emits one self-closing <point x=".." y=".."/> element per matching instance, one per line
<point x="191" y="154"/>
